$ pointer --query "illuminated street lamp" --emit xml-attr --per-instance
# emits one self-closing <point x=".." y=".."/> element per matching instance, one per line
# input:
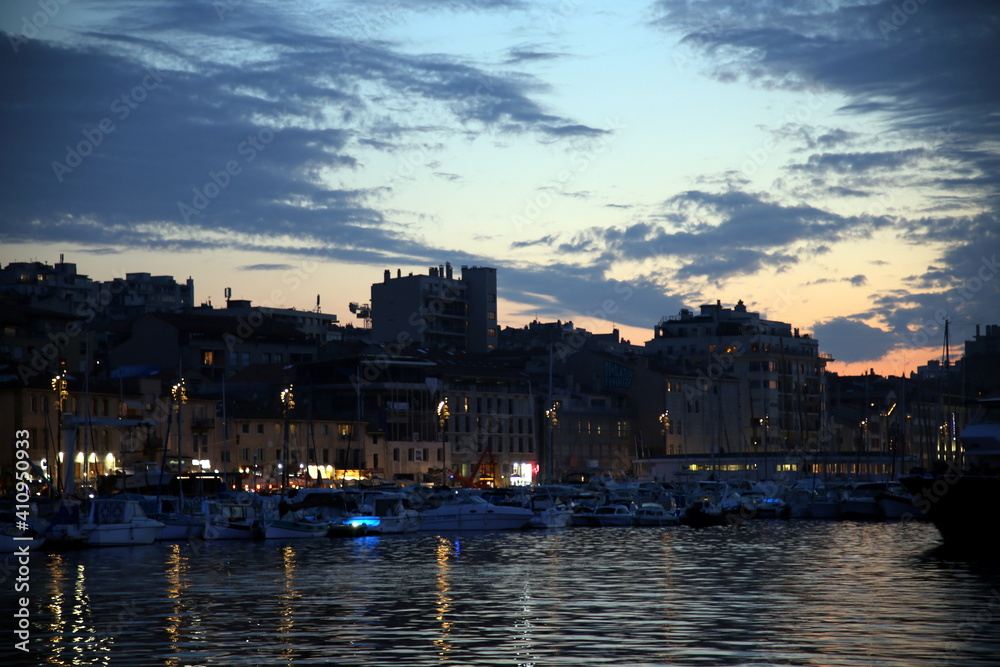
<point x="287" y="405"/>
<point x="552" y="415"/>
<point x="665" y="422"/>
<point x="443" y="414"/>
<point x="179" y="395"/>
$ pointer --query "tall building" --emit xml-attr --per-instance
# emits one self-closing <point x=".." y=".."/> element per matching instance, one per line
<point x="60" y="288"/>
<point x="780" y="372"/>
<point x="437" y="310"/>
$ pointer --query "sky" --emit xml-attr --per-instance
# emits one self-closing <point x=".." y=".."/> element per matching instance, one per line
<point x="834" y="165"/>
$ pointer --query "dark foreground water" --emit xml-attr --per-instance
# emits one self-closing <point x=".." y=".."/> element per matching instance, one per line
<point x="765" y="593"/>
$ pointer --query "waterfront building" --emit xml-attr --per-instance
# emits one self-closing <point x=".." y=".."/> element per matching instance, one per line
<point x="437" y="310"/>
<point x="206" y="348"/>
<point x="781" y="398"/>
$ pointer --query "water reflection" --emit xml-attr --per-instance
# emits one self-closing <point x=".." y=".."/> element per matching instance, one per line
<point x="442" y="558"/>
<point x="803" y="593"/>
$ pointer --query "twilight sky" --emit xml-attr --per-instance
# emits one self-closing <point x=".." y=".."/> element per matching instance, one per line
<point x="833" y="164"/>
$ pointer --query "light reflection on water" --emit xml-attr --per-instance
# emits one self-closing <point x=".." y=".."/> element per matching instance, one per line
<point x="765" y="593"/>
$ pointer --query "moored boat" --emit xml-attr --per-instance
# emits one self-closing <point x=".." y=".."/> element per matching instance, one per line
<point x="116" y="522"/>
<point x="959" y="501"/>
<point x="655" y="514"/>
<point x="460" y="509"/>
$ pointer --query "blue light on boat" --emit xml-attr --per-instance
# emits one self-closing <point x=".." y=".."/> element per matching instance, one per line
<point x="355" y="521"/>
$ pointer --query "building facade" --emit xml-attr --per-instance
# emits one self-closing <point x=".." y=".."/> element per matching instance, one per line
<point x="437" y="310"/>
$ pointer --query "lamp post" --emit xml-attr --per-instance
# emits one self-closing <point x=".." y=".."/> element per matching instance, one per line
<point x="59" y="385"/>
<point x="665" y="422"/>
<point x="552" y="415"/>
<point x="179" y="395"/>
<point x="443" y="415"/>
<point x="287" y="405"/>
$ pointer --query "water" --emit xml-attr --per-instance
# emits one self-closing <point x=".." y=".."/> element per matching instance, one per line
<point x="764" y="593"/>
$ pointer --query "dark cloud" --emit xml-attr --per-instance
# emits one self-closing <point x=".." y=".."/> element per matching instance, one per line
<point x="517" y="56"/>
<point x="725" y="234"/>
<point x="266" y="267"/>
<point x="861" y="162"/>
<point x="924" y="74"/>
<point x="553" y="291"/>
<point x="546" y="240"/>
<point x="851" y="340"/>
<point x="138" y="136"/>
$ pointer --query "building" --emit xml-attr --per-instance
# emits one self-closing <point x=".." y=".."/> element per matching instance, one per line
<point x="60" y="288"/>
<point x="206" y="348"/>
<point x="782" y="397"/>
<point x="318" y="327"/>
<point x="139" y="293"/>
<point x="437" y="310"/>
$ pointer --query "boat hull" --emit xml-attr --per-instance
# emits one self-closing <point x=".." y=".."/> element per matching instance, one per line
<point x="284" y="530"/>
<point x="960" y="507"/>
<point x="125" y="534"/>
<point x="460" y="518"/>
<point x="225" y="530"/>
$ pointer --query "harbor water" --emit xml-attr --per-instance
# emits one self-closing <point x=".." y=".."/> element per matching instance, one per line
<point x="760" y="593"/>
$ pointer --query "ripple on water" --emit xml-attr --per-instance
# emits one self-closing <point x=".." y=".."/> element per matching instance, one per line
<point x="763" y="593"/>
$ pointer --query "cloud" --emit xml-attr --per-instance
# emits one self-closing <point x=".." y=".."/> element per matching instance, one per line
<point x="171" y="128"/>
<point x="861" y="162"/>
<point x="925" y="82"/>
<point x="851" y="340"/>
<point x="266" y="267"/>
<point x="546" y="240"/>
<point x="724" y="234"/>
<point x="586" y="295"/>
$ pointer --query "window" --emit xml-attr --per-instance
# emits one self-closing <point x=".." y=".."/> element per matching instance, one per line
<point x="491" y="315"/>
<point x="207" y="357"/>
<point x="260" y="429"/>
<point x="491" y="332"/>
<point x="244" y="428"/>
<point x="395" y="453"/>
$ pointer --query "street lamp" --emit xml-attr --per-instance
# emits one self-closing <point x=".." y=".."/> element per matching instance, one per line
<point x="665" y="422"/>
<point x="59" y="385"/>
<point x="443" y="415"/>
<point x="552" y="414"/>
<point x="179" y="395"/>
<point x="287" y="405"/>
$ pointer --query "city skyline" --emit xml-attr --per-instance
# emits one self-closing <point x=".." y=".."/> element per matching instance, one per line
<point x="834" y="168"/>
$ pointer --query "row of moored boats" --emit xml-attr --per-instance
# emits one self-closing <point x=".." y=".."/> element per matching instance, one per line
<point x="131" y="519"/>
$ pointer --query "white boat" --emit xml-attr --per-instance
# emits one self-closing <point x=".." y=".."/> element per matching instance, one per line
<point x="114" y="522"/>
<point x="296" y="525"/>
<point x="897" y="503"/>
<point x="392" y="510"/>
<point x="549" y="511"/>
<point x="655" y="514"/>
<point x="614" y="515"/>
<point x="231" y="519"/>
<point x="860" y="501"/>
<point x="459" y="509"/>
